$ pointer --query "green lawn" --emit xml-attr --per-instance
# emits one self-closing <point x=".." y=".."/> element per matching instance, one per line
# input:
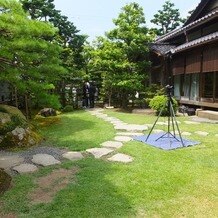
<point x="158" y="183"/>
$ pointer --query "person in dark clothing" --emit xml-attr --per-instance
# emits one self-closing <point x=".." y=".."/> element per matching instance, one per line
<point x="92" y="91"/>
<point x="86" y="94"/>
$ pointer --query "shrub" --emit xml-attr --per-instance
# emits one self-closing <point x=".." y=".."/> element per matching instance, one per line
<point x="159" y="102"/>
<point x="68" y="108"/>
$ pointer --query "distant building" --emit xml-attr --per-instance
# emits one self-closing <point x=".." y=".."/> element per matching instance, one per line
<point x="190" y="56"/>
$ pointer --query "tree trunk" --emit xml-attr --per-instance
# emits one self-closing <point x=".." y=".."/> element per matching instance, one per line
<point x="16" y="99"/>
<point x="26" y="106"/>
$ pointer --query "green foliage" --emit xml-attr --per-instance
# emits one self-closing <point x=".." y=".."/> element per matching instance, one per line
<point x="168" y="18"/>
<point x="68" y="108"/>
<point x="34" y="61"/>
<point x="48" y="101"/>
<point x="147" y="187"/>
<point x="160" y="102"/>
<point x="122" y="56"/>
<point x="152" y="91"/>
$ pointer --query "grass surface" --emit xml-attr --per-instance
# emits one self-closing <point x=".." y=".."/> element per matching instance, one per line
<point x="158" y="183"/>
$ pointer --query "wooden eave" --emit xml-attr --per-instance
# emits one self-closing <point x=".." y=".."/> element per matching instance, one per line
<point x="195" y="43"/>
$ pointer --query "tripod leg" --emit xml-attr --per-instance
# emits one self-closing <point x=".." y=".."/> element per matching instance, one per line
<point x="154" y="123"/>
<point x="172" y="119"/>
<point x="177" y="124"/>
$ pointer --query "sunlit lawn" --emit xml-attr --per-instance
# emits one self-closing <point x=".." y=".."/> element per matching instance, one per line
<point x="158" y="183"/>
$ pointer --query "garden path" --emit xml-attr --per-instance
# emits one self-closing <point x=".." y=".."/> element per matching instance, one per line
<point x="30" y="160"/>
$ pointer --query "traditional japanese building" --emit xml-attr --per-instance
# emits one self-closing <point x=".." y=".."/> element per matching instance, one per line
<point x="190" y="56"/>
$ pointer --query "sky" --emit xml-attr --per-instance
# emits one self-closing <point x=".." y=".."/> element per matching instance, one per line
<point x="94" y="17"/>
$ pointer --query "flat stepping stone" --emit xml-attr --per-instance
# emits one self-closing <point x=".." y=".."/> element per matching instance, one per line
<point x="123" y="158"/>
<point x="162" y="123"/>
<point x="6" y="162"/>
<point x="71" y="155"/>
<point x="186" y="133"/>
<point x="117" y="122"/>
<point x="129" y="133"/>
<point x="191" y="122"/>
<point x="131" y="127"/>
<point x="99" y="152"/>
<point x="25" y="168"/>
<point x="45" y="160"/>
<point x="122" y="138"/>
<point x="202" y="133"/>
<point x="112" y="144"/>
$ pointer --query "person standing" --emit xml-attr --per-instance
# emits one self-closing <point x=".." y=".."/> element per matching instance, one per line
<point x="92" y="91"/>
<point x="86" y="93"/>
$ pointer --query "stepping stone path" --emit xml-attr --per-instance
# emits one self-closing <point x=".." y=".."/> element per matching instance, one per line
<point x="25" y="168"/>
<point x="202" y="133"/>
<point x="192" y="122"/>
<point x="99" y="152"/>
<point x="6" y="162"/>
<point x="112" y="144"/>
<point x="29" y="161"/>
<point x="44" y="160"/>
<point x="128" y="131"/>
<point x="73" y="155"/>
<point x="121" y="158"/>
<point x="122" y="138"/>
<point x="186" y="133"/>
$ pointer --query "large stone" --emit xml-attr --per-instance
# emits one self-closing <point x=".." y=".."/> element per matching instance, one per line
<point x="71" y="155"/>
<point x="44" y="160"/>
<point x="112" y="144"/>
<point x="99" y="152"/>
<point x="18" y="131"/>
<point x="25" y="168"/>
<point x="122" y="138"/>
<point x="6" y="162"/>
<point x="46" y="112"/>
<point x="121" y="158"/>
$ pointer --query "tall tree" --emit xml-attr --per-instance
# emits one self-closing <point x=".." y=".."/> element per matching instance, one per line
<point x="124" y="53"/>
<point x="68" y="38"/>
<point x="33" y="61"/>
<point x="167" y="19"/>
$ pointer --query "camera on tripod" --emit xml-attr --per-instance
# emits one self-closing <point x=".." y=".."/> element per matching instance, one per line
<point x="169" y="90"/>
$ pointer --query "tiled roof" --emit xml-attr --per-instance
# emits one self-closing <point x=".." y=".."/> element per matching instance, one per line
<point x="193" y="24"/>
<point x="202" y="40"/>
<point x="200" y="7"/>
<point x="161" y="47"/>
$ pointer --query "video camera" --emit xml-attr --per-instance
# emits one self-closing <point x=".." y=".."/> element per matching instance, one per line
<point x="169" y="90"/>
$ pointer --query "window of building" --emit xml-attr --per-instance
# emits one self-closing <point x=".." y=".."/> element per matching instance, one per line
<point x="207" y="85"/>
<point x="194" y="87"/>
<point x="177" y="86"/>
